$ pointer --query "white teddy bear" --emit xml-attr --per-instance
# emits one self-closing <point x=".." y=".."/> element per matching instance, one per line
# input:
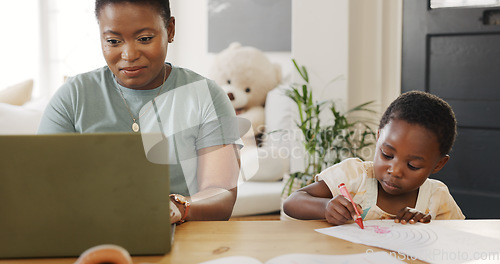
<point x="247" y="75"/>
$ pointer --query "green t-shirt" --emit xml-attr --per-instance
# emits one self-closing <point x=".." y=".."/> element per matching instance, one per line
<point x="191" y="112"/>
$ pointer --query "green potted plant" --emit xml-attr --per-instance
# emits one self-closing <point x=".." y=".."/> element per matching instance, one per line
<point x="325" y="144"/>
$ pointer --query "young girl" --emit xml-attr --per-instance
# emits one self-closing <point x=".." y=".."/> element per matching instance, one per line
<point x="415" y="135"/>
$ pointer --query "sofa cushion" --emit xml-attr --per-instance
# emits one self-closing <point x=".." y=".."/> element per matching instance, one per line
<point x="283" y="133"/>
<point x="280" y="112"/>
<point x="16" y="119"/>
<point x="263" y="164"/>
<point x="17" y="94"/>
<point x="258" y="198"/>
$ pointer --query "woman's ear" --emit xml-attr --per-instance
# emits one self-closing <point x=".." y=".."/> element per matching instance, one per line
<point x="441" y="163"/>
<point x="171" y="29"/>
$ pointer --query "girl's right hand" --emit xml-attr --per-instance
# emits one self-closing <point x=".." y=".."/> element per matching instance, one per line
<point x="339" y="210"/>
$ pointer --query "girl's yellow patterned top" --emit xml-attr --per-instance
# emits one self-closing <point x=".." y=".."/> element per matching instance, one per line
<point x="434" y="197"/>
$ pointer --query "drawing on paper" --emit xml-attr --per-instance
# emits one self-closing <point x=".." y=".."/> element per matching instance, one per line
<point x="400" y="234"/>
<point x="387" y="233"/>
<point x="378" y="229"/>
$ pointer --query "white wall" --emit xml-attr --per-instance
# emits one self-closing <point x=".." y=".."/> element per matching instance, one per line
<point x="375" y="32"/>
<point x="320" y="43"/>
<point x="189" y="48"/>
<point x="359" y="39"/>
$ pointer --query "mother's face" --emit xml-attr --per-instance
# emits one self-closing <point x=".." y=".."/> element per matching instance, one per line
<point x="134" y="41"/>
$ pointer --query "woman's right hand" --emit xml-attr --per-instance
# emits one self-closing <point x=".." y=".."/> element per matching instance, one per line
<point x="339" y="210"/>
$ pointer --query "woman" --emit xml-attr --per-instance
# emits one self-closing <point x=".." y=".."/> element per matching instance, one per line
<point x="138" y="92"/>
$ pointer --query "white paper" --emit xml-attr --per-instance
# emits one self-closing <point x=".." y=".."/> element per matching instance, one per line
<point x="427" y="242"/>
<point x="367" y="258"/>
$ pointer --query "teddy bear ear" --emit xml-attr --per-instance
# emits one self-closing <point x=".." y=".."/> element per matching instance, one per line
<point x="234" y="45"/>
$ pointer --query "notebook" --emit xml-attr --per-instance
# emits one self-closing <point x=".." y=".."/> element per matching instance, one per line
<point x="62" y="194"/>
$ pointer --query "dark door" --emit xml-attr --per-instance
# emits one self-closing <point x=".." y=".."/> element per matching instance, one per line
<point x="455" y="53"/>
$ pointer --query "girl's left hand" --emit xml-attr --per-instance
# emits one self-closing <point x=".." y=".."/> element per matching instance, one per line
<point x="412" y="216"/>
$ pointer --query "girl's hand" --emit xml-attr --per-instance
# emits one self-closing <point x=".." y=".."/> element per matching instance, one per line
<point x="411" y="215"/>
<point x="339" y="210"/>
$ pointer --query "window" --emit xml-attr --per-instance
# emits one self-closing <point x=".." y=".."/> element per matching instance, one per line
<point x="463" y="3"/>
<point x="20" y="41"/>
<point x="48" y="40"/>
<point x="73" y="41"/>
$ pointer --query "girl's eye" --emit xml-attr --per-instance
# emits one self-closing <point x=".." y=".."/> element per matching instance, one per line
<point x="411" y="167"/>
<point x="385" y="155"/>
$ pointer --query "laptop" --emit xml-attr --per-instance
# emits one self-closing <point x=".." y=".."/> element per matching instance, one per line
<point x="62" y="194"/>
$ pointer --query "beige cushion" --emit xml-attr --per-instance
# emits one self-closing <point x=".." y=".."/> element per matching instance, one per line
<point x="17" y="94"/>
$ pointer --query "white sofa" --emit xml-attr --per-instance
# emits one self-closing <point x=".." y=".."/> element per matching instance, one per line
<point x="263" y="195"/>
<point x="19" y="114"/>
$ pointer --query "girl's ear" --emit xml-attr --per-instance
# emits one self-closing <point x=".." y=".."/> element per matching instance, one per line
<point x="441" y="163"/>
<point x="378" y="134"/>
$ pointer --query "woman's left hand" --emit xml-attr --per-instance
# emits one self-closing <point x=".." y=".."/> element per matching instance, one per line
<point x="412" y="216"/>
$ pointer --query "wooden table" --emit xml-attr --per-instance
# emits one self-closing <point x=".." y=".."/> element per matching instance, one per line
<point x="196" y="242"/>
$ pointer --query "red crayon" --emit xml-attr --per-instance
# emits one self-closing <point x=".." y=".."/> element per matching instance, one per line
<point x="345" y="193"/>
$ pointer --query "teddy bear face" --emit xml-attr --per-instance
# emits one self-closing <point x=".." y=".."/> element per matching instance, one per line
<point x="238" y="97"/>
<point x="246" y="91"/>
<point x="246" y="75"/>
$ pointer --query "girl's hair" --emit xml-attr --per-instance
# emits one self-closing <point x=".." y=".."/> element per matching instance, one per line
<point x="163" y="6"/>
<point x="428" y="111"/>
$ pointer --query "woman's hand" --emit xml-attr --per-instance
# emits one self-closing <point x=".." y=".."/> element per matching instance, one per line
<point x="175" y="213"/>
<point x="412" y="216"/>
<point x="339" y="210"/>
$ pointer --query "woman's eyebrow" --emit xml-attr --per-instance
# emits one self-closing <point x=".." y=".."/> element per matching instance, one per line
<point x="109" y="31"/>
<point x="143" y="29"/>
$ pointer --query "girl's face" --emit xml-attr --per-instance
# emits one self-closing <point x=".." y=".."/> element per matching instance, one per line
<point x="134" y="43"/>
<point x="405" y="155"/>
